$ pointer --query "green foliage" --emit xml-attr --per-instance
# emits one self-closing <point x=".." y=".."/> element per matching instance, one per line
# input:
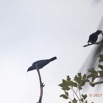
<point x="100" y="58"/>
<point x="74" y="100"/>
<point x="94" y="74"/>
<point x="68" y="84"/>
<point x="84" y="96"/>
<point x="78" y="82"/>
<point x="64" y="96"/>
<point x="100" y="66"/>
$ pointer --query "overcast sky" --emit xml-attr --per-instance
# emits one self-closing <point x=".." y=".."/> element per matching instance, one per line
<point x="31" y="30"/>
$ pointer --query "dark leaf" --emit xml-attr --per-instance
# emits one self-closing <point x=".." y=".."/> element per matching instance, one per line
<point x="74" y="100"/>
<point x="64" y="96"/>
<point x="61" y="85"/>
<point x="75" y="84"/>
<point x="84" y="96"/>
<point x="66" y="93"/>
<point x="79" y="74"/>
<point x="100" y="66"/>
<point x="101" y="73"/>
<point x="84" y="76"/>
<point x="101" y="58"/>
<point x="77" y="79"/>
<point x="68" y="78"/>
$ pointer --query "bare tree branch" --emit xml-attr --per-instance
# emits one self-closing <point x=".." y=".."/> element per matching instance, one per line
<point x="93" y="84"/>
<point x="41" y="86"/>
<point x="97" y="43"/>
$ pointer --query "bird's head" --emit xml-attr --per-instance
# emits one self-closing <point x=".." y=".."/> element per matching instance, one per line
<point x="99" y="31"/>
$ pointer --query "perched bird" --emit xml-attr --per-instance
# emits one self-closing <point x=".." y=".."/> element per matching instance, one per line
<point x="40" y="63"/>
<point x="94" y="36"/>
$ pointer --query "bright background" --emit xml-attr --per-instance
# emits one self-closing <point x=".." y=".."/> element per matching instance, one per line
<point x="31" y="30"/>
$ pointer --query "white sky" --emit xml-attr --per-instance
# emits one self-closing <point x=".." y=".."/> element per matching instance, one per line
<point x="31" y="30"/>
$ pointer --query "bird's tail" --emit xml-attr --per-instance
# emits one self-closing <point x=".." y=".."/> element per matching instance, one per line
<point x="53" y="58"/>
<point x="29" y="69"/>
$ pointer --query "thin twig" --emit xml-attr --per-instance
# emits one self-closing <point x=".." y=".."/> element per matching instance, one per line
<point x="93" y="84"/>
<point x="41" y="86"/>
<point x="79" y="94"/>
<point x="92" y="44"/>
<point x="76" y="94"/>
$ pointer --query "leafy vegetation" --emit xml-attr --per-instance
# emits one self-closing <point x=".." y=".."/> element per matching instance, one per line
<point x="76" y="85"/>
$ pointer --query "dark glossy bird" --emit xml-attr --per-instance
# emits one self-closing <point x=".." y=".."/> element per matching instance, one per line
<point x="40" y="63"/>
<point x="94" y="37"/>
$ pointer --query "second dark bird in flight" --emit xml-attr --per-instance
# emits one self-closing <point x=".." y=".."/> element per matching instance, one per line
<point x="40" y="63"/>
<point x="94" y="37"/>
